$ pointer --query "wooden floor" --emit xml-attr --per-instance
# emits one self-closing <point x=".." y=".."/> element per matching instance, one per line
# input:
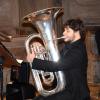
<point x="94" y="91"/>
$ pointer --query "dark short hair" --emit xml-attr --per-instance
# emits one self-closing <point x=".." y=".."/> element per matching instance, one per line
<point x="76" y="25"/>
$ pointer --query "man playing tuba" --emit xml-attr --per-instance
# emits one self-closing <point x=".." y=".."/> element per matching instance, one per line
<point x="73" y="63"/>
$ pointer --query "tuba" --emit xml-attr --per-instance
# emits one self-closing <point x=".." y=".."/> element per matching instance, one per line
<point x="45" y="47"/>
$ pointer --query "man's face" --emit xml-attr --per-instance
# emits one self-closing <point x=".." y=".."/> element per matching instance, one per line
<point x="69" y="34"/>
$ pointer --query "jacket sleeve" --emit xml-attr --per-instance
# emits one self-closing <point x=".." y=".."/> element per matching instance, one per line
<point x="72" y="59"/>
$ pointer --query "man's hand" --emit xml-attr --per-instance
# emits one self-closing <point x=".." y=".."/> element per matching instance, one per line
<point x="30" y="57"/>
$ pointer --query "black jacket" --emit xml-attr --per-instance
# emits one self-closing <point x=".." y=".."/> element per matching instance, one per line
<point x="73" y="63"/>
